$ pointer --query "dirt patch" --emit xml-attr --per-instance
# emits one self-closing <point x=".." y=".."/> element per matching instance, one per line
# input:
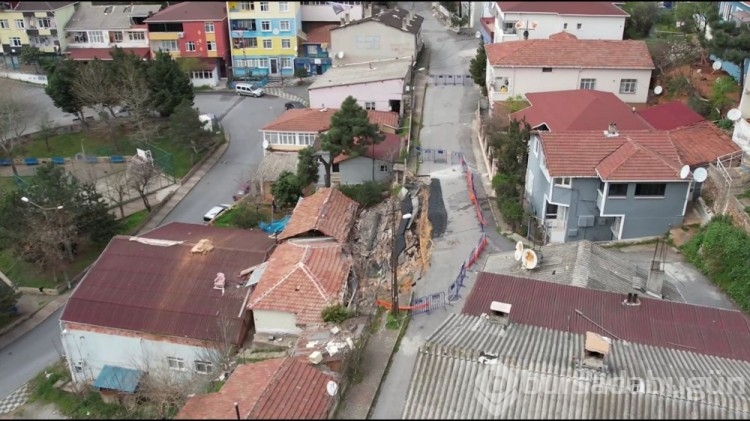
<point x="701" y="76"/>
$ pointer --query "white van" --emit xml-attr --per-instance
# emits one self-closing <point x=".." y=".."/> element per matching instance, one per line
<point x="248" y="89"/>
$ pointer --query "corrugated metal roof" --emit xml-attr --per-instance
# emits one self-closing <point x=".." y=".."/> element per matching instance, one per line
<point x="718" y="332"/>
<point x="371" y="72"/>
<point x="449" y="381"/>
<point x="118" y="378"/>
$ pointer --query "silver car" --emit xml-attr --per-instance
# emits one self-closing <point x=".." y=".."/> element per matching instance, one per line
<point x="215" y="212"/>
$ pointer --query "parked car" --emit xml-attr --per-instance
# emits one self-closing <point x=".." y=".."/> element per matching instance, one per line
<point x="214" y="212"/>
<point x="242" y="192"/>
<point x="249" y="90"/>
<point x="294" y="104"/>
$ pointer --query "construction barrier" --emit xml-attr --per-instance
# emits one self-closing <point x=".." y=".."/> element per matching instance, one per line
<point x="473" y="192"/>
<point x="477" y="251"/>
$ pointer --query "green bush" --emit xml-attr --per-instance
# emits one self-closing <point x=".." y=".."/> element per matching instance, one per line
<point x="301" y="72"/>
<point x="512" y="211"/>
<point x="699" y="106"/>
<point x="335" y="314"/>
<point x="247" y="216"/>
<point x="366" y="194"/>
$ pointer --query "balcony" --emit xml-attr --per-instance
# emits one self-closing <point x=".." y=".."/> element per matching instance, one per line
<point x="164" y="36"/>
<point x="315" y="55"/>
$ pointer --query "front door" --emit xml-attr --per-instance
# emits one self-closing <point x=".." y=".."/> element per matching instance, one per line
<point x="274" y="66"/>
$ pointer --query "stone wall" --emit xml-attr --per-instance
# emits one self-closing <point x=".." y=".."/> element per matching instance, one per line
<point x="723" y="201"/>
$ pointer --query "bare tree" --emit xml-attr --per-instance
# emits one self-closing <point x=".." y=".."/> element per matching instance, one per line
<point x="12" y="125"/>
<point x="669" y="54"/>
<point x="46" y="129"/>
<point x="140" y="174"/>
<point x="94" y="85"/>
<point x="118" y="187"/>
<point x="136" y="95"/>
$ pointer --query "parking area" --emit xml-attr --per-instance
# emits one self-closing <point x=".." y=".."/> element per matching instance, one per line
<point x="35" y="100"/>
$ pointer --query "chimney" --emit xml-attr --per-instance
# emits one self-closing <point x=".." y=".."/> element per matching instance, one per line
<point x="611" y="130"/>
<point x="368" y="9"/>
<point x="595" y="350"/>
<point x="405" y="23"/>
<point x="656" y="275"/>
<point x="499" y="312"/>
<point x="347" y="16"/>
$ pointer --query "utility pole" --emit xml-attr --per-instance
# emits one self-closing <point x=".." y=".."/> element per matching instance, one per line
<point x="394" y="260"/>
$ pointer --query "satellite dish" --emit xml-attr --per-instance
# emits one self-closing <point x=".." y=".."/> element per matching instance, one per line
<point x="700" y="175"/>
<point x="266" y="144"/>
<point x="332" y="388"/>
<point x="340" y="55"/>
<point x="734" y="114"/>
<point x="685" y="171"/>
<point x="717" y="65"/>
<point x="529" y="259"/>
<point x="658" y="90"/>
<point x="519" y="251"/>
<point x="478" y="35"/>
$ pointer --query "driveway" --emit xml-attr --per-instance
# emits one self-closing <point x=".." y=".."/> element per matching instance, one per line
<point x="36" y="102"/>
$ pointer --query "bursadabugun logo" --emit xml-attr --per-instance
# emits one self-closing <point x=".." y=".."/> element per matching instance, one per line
<point x="496" y="388"/>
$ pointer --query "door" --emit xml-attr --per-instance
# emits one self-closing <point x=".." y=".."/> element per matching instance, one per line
<point x="274" y="66"/>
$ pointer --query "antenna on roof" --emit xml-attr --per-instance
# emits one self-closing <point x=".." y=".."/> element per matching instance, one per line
<point x="684" y="171"/>
<point x="519" y="251"/>
<point x="716" y="66"/>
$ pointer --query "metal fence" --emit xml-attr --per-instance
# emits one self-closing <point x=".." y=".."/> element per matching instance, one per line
<point x="428" y="303"/>
<point x="450" y="80"/>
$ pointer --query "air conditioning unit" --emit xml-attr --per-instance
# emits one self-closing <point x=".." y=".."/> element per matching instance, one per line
<point x="181" y="35"/>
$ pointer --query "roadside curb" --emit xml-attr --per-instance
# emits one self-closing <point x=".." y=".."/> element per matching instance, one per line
<point x="7" y="337"/>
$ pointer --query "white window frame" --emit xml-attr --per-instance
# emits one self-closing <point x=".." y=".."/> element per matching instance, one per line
<point x="263" y="63"/>
<point x="247" y="5"/>
<point x="14" y="41"/>
<point x="20" y="24"/>
<point x="551" y="215"/>
<point x="190" y="46"/>
<point x="265" y="6"/>
<point x="44" y="23"/>
<point x="587" y="83"/>
<point x="536" y="147"/>
<point x="4" y="24"/>
<point x="266" y="23"/>
<point x="306" y="139"/>
<point x="286" y="43"/>
<point x="136" y="36"/>
<point x="268" y="46"/>
<point x="203" y="367"/>
<point x="202" y="74"/>
<point x="96" y="37"/>
<point x="370" y="105"/>
<point x="283" y="6"/>
<point x="285" y="26"/>
<point x="208" y="27"/>
<point x="114" y="37"/>
<point x="172" y="43"/>
<point x="286" y="62"/>
<point x="271" y="137"/>
<point x="176" y="364"/>
<point x="563" y="181"/>
<point x="628" y="86"/>
<point x="210" y="45"/>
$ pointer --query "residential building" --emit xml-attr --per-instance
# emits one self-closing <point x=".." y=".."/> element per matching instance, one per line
<point x="375" y="163"/>
<point x="519" y="20"/>
<point x="324" y="11"/>
<point x="582" y="354"/>
<point x="279" y="388"/>
<point x="166" y="300"/>
<point x="515" y="68"/>
<point x="269" y="170"/>
<point x="738" y="11"/>
<point x="265" y="37"/>
<point x="36" y="24"/>
<point x="94" y="30"/>
<point x="327" y="213"/>
<point x="394" y="33"/>
<point x="302" y="278"/>
<point x="610" y="185"/>
<point x="194" y="30"/>
<point x="299" y="128"/>
<point x="314" y="55"/>
<point x="377" y="85"/>
<point x="669" y="116"/>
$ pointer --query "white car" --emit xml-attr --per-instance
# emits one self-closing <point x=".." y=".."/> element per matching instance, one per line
<point x="215" y="211"/>
<point x="249" y="89"/>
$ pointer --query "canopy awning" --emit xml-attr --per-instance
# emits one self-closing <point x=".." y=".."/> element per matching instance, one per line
<point x="118" y="378"/>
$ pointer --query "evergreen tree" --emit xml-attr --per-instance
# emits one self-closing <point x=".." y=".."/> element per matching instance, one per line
<point x="478" y="68"/>
<point x="60" y="88"/>
<point x="307" y="166"/>
<point x="169" y="85"/>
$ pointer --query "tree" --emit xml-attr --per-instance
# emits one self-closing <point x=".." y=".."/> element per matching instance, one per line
<point x="12" y="125"/>
<point x="140" y="173"/>
<point x="189" y="64"/>
<point x="478" y="68"/>
<point x="134" y="92"/>
<point x="511" y="152"/>
<point x="286" y="190"/>
<point x="731" y="42"/>
<point x="117" y="189"/>
<point x="60" y="88"/>
<point x="93" y="217"/>
<point x="169" y="85"/>
<point x="307" y="166"/>
<point x="31" y="55"/>
<point x="668" y="54"/>
<point x="643" y="17"/>
<point x="186" y="128"/>
<point x="694" y="15"/>
<point x="94" y="85"/>
<point x="46" y="129"/>
<point x="350" y="133"/>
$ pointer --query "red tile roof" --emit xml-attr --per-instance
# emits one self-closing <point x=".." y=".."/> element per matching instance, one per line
<point x="387" y="150"/>
<point x="191" y="11"/>
<point x="328" y="212"/>
<point x="103" y="53"/>
<point x="563" y="35"/>
<point x="317" y="120"/>
<point x="630" y="156"/>
<point x="702" y="143"/>
<point x="670" y="116"/>
<point x="705" y="330"/>
<point x="577" y="8"/>
<point x="318" y="32"/>
<point x="303" y="278"/>
<point x="580" y="109"/>
<point x="280" y="388"/>
<point x="576" y="53"/>
<point x="149" y="286"/>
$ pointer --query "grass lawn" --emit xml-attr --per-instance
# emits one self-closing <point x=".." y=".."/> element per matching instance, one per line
<point x="229" y="219"/>
<point x="9" y="183"/>
<point x="131" y="222"/>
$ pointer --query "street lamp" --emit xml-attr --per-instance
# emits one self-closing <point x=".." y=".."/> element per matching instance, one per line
<point x="394" y="264"/>
<point x="26" y="200"/>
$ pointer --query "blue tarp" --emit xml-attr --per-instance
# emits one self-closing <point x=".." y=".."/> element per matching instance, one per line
<point x="275" y="226"/>
<point x="118" y="378"/>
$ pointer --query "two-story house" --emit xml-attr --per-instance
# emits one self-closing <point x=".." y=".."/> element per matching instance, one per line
<point x="394" y="33"/>
<point x="36" y="24"/>
<point x="264" y="37"/>
<point x="325" y="11"/>
<point x="94" y="30"/>
<point x="315" y="52"/>
<point x="562" y="62"/>
<point x="518" y="20"/>
<point x="194" y="29"/>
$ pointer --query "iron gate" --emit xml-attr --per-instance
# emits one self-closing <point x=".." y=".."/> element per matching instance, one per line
<point x="457" y="158"/>
<point x="428" y="303"/>
<point x="449" y="80"/>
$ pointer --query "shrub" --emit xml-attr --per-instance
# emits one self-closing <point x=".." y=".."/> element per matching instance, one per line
<point x="335" y="314"/>
<point x="366" y="194"/>
<point x="512" y="211"/>
<point x="247" y="216"/>
<point x="301" y="72"/>
<point x="700" y="106"/>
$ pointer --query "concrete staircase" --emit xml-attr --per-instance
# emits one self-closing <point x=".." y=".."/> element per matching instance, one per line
<point x="279" y="92"/>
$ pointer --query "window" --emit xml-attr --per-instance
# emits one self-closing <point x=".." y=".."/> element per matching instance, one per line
<point x="286" y="62"/>
<point x="283" y="6"/>
<point x="284" y="25"/>
<point x="190" y="46"/>
<point x="369" y="105"/>
<point x="209" y="27"/>
<point x="96" y="36"/>
<point x="306" y="138"/>
<point x="563" y="181"/>
<point x="286" y="43"/>
<point x="267" y="44"/>
<point x="565" y="26"/>
<point x="4" y="24"/>
<point x="650" y="189"/>
<point x="137" y="36"/>
<point x="550" y="212"/>
<point x="265" y="25"/>
<point x="116" y="37"/>
<point x="244" y="24"/>
<point x="43" y="23"/>
<point x="247" y="5"/>
<point x="383" y="168"/>
<point x="588" y="83"/>
<point x="39" y="40"/>
<point x="546" y="69"/>
<point x="211" y="45"/>
<point x="15" y="41"/>
<point x="529" y="181"/>
<point x="272" y="137"/>
<point x="262" y="62"/>
<point x="312" y="49"/>
<point x="203" y="367"/>
<point x="286" y="138"/>
<point x="170" y="45"/>
<point x="176" y="363"/>
<point x="618" y="190"/>
<point x="627" y="86"/>
<point x="20" y="24"/>
<point x="246" y="43"/>
<point x="264" y="6"/>
<point x="579" y="26"/>
<point x="203" y="74"/>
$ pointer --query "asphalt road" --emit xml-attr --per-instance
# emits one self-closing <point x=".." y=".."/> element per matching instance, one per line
<point x="35" y="103"/>
<point x="21" y="360"/>
<point x="242" y="118"/>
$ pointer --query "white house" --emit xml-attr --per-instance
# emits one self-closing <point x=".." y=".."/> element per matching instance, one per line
<point x="515" y="68"/>
<point x="166" y="300"/>
<point x="586" y="20"/>
<point x="324" y="11"/>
